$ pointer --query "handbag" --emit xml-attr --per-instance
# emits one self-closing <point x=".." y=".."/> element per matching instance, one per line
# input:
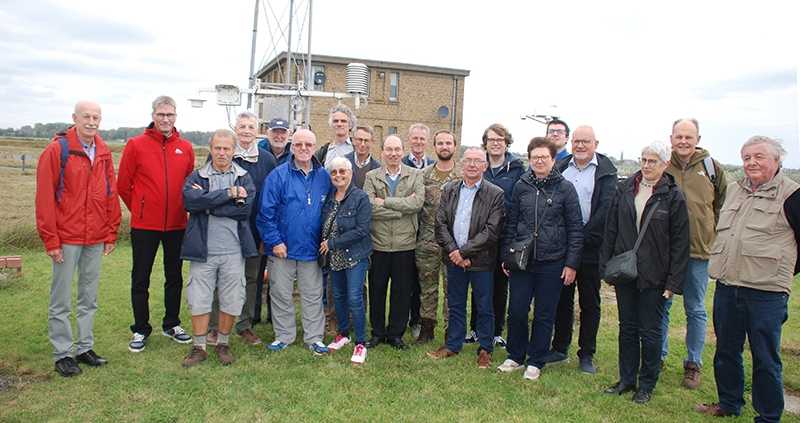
<point x="519" y="250"/>
<point x="621" y="269"/>
<point x="324" y="260"/>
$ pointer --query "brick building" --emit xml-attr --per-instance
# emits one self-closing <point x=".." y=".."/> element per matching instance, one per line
<point x="400" y="95"/>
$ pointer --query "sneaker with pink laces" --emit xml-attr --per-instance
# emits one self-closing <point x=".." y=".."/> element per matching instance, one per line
<point x="339" y="342"/>
<point x="359" y="354"/>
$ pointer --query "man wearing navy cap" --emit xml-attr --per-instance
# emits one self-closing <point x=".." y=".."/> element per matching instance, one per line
<point x="277" y="141"/>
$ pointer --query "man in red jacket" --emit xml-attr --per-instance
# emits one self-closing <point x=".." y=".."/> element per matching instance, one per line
<point x="153" y="168"/>
<point x="77" y="215"/>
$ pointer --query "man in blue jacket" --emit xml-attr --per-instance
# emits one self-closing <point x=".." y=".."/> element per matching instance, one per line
<point x="289" y="221"/>
<point x="218" y="197"/>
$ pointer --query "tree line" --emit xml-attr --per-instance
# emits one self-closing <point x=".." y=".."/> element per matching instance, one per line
<point x="48" y="130"/>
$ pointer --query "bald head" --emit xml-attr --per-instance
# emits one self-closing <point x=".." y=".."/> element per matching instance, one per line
<point x="584" y="145"/>
<point x="87" y="118"/>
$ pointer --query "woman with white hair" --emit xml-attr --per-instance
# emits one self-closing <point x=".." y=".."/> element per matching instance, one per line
<point x="662" y="260"/>
<point x="346" y="217"/>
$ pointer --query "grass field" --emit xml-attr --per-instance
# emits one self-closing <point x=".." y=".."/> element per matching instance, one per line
<point x="294" y="385"/>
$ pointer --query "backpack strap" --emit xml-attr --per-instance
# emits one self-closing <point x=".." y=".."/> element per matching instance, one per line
<point x="65" y="152"/>
<point x="711" y="172"/>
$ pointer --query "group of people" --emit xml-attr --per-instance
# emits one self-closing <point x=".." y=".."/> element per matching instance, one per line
<point x="332" y="218"/>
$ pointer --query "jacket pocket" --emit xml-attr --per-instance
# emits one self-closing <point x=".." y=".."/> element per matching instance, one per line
<point x="717" y="259"/>
<point x="758" y="263"/>
<point x="765" y="217"/>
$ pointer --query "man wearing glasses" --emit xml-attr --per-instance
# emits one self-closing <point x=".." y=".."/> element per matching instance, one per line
<point x="558" y="131"/>
<point x="361" y="157"/>
<point x="595" y="180"/>
<point x="152" y="171"/>
<point x="703" y="180"/>
<point x="469" y="222"/>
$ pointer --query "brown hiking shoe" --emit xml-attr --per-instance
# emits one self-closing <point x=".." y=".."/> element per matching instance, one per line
<point x="224" y="354"/>
<point x="484" y="360"/>
<point x="442" y="352"/>
<point x="196" y="356"/>
<point x="426" y="332"/>
<point x="691" y="376"/>
<point x="710" y="409"/>
<point x="249" y="336"/>
<point x="211" y="337"/>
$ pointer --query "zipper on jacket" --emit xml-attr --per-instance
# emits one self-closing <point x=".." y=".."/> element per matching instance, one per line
<point x="141" y="212"/>
<point x="536" y="226"/>
<point x="166" y="181"/>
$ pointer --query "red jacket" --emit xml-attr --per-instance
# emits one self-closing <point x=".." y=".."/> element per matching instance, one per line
<point x="89" y="211"/>
<point x="151" y="175"/>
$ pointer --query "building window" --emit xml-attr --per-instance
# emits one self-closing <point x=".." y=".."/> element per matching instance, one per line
<point x="393" y="85"/>
<point x="314" y="70"/>
<point x="392" y="130"/>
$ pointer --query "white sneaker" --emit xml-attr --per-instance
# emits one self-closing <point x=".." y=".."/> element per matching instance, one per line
<point x="359" y="354"/>
<point x="532" y="373"/>
<point x="339" y="342"/>
<point x="509" y="366"/>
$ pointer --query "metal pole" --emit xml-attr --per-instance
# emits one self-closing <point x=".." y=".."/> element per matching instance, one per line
<point x="289" y="48"/>
<point x="309" y="70"/>
<point x="253" y="56"/>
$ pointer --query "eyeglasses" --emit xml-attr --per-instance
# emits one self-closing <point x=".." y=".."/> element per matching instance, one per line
<point x="651" y="162"/>
<point x="342" y="172"/>
<point x="495" y="140"/>
<point x="363" y="140"/>
<point x="538" y="158"/>
<point x="471" y="161"/>
<point x="170" y="116"/>
<point x="306" y="145"/>
<point x="579" y="142"/>
<point x="556" y="131"/>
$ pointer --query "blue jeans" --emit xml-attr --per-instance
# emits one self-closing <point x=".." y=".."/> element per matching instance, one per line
<point x="694" y="297"/>
<point x="640" y="315"/>
<point x="741" y="313"/>
<point x="458" y="281"/>
<point x="544" y="280"/>
<point x="348" y="295"/>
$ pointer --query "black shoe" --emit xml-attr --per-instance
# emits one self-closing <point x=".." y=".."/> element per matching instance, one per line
<point x="398" y="343"/>
<point x="620" y="388"/>
<point x="642" y="395"/>
<point x="92" y="359"/>
<point x="374" y="342"/>
<point x="67" y="367"/>
<point x="256" y="320"/>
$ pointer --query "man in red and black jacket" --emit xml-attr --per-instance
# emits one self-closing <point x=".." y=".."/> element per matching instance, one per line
<point x="152" y="171"/>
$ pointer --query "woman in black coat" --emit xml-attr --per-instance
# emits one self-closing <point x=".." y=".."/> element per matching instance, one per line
<point x="545" y="204"/>
<point x="662" y="260"/>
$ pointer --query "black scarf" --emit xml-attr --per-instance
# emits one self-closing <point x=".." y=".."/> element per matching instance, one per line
<point x="540" y="182"/>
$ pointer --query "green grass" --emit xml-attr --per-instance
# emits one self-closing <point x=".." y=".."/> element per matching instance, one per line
<point x="294" y="385"/>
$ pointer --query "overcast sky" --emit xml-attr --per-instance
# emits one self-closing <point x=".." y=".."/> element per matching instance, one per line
<point x="629" y="69"/>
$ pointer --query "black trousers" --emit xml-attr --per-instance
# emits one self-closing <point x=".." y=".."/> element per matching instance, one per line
<point x="588" y="283"/>
<point x="144" y="244"/>
<point x="415" y="292"/>
<point x="499" y="300"/>
<point x="399" y="267"/>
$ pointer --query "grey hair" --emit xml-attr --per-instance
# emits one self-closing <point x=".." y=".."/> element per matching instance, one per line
<point x="164" y="100"/>
<point x="660" y="149"/>
<point x="368" y="129"/>
<point x="480" y="150"/>
<point x="774" y="145"/>
<point x="224" y="133"/>
<point x="690" y="119"/>
<point x="420" y="126"/>
<point x="248" y="114"/>
<point x="396" y="136"/>
<point x="346" y="110"/>
<point x="338" y="161"/>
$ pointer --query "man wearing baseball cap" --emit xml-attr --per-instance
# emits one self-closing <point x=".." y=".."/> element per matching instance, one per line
<point x="277" y="141"/>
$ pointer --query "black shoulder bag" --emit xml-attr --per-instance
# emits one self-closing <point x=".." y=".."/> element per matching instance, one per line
<point x="621" y="269"/>
<point x="519" y="250"/>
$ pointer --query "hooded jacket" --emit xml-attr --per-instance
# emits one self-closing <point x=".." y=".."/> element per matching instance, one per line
<point x="151" y="176"/>
<point x="290" y="209"/>
<point x="89" y="211"/>
<point x="506" y="176"/>
<point x="560" y="234"/>
<point x="702" y="200"/>
<point x="605" y="185"/>
<point x="663" y="256"/>
<point x="201" y="202"/>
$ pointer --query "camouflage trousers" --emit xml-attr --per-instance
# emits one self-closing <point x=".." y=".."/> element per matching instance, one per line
<point x="431" y="268"/>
